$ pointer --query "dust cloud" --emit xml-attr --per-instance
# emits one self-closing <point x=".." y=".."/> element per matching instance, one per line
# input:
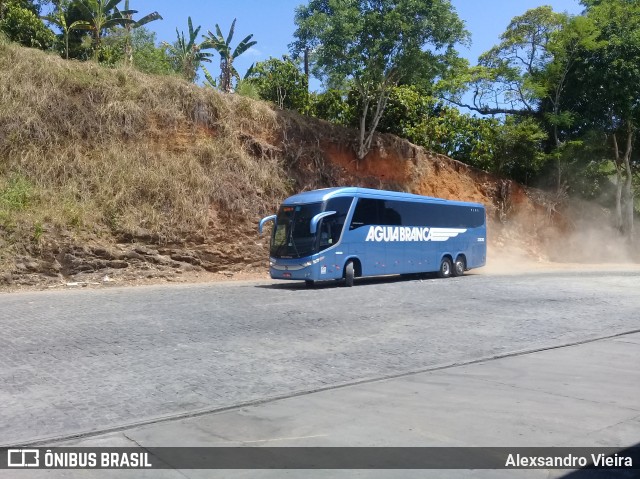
<point x="581" y="238"/>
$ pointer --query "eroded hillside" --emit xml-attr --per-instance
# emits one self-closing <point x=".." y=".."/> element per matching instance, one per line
<point x="109" y="173"/>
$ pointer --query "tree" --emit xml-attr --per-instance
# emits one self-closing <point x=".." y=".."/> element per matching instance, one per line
<point x="187" y="56"/>
<point x="129" y="27"/>
<point x="100" y="15"/>
<point x="509" y="78"/>
<point x="20" y="23"/>
<point x="376" y="45"/>
<point x="526" y="74"/>
<point x="580" y="77"/>
<point x="58" y="17"/>
<point x="511" y="146"/>
<point x="331" y="105"/>
<point x="577" y="34"/>
<point x="227" y="56"/>
<point x="281" y="82"/>
<point x="147" y="57"/>
<point x="606" y="89"/>
<point x="34" y="6"/>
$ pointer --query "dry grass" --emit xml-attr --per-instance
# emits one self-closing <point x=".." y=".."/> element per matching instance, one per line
<point x="113" y="151"/>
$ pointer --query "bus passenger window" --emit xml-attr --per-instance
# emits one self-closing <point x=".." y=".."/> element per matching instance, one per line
<point x="391" y="215"/>
<point x="331" y="227"/>
<point x="326" y="239"/>
<point x="368" y="212"/>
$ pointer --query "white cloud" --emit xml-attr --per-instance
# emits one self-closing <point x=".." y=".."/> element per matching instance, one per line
<point x="254" y="52"/>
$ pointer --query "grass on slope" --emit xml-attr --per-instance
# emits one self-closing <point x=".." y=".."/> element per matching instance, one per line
<point x="96" y="150"/>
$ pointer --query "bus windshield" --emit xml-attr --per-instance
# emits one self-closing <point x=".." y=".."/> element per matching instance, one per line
<point x="292" y="236"/>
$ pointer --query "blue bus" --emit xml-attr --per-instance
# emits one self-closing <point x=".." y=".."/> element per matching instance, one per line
<point x="344" y="233"/>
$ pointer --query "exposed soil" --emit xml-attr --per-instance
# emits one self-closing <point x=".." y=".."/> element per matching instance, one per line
<point x="231" y="249"/>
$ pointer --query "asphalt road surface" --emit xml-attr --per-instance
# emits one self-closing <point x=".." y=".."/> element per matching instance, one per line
<point x="79" y="362"/>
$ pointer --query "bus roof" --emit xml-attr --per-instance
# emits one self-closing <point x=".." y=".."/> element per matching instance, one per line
<point x="316" y="196"/>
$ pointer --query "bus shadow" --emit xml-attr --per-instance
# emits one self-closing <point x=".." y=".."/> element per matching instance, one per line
<point x="338" y="283"/>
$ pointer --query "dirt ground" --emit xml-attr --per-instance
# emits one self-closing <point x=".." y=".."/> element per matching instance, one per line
<point x="514" y="261"/>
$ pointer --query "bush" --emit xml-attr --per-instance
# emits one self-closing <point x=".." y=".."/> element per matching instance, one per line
<point x="23" y="26"/>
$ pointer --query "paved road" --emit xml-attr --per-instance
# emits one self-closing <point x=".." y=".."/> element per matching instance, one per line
<point x="582" y="395"/>
<point x="89" y="360"/>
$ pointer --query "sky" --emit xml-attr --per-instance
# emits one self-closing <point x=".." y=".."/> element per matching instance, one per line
<point x="271" y="22"/>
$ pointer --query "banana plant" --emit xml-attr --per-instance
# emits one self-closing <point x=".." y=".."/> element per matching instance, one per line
<point x="99" y="16"/>
<point x="128" y="14"/>
<point x="223" y="46"/>
<point x="209" y="80"/>
<point x="58" y="18"/>
<point x="188" y="55"/>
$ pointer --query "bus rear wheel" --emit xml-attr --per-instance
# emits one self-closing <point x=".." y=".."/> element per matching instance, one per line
<point x="445" y="268"/>
<point x="459" y="267"/>
<point x="349" y="274"/>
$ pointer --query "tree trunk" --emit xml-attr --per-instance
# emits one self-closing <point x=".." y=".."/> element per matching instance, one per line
<point x="362" y="150"/>
<point x="225" y="74"/>
<point x="128" y="46"/>
<point x="96" y="46"/>
<point x="366" y="135"/>
<point x="306" y="79"/>
<point x="558" y="160"/>
<point x="618" y="214"/>
<point x="628" y="187"/>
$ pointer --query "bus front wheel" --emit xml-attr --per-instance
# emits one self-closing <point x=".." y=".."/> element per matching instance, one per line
<point x="349" y="274"/>
<point x="445" y="268"/>
<point x="460" y="266"/>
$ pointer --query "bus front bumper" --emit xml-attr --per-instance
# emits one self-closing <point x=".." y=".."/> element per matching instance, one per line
<point x="293" y="269"/>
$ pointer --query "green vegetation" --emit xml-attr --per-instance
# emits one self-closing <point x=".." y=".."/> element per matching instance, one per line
<point x="130" y="27"/>
<point x="374" y="46"/>
<point x="553" y="104"/>
<point x="20" y="23"/>
<point x="578" y="78"/>
<point x="16" y="192"/>
<point x="281" y="82"/>
<point x="100" y="15"/>
<point x="102" y="162"/>
<point x="187" y="57"/>
<point x="147" y="57"/>
<point x="58" y="18"/>
<point x="223" y="46"/>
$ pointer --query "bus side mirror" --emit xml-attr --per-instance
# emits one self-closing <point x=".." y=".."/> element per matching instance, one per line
<point x="265" y="220"/>
<point x="316" y="219"/>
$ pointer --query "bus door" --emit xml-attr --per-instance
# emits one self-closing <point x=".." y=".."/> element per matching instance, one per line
<point x="330" y="232"/>
<point x="370" y="248"/>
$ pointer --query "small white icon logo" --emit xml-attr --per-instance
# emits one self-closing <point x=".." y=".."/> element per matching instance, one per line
<point x="23" y="458"/>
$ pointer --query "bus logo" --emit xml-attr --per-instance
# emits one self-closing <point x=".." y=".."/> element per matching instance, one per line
<point x="23" y="458"/>
<point x="411" y="233"/>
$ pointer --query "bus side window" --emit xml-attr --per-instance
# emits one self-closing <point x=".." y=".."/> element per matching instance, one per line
<point x="391" y="215"/>
<point x="331" y="226"/>
<point x="368" y="212"/>
<point x="326" y="239"/>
